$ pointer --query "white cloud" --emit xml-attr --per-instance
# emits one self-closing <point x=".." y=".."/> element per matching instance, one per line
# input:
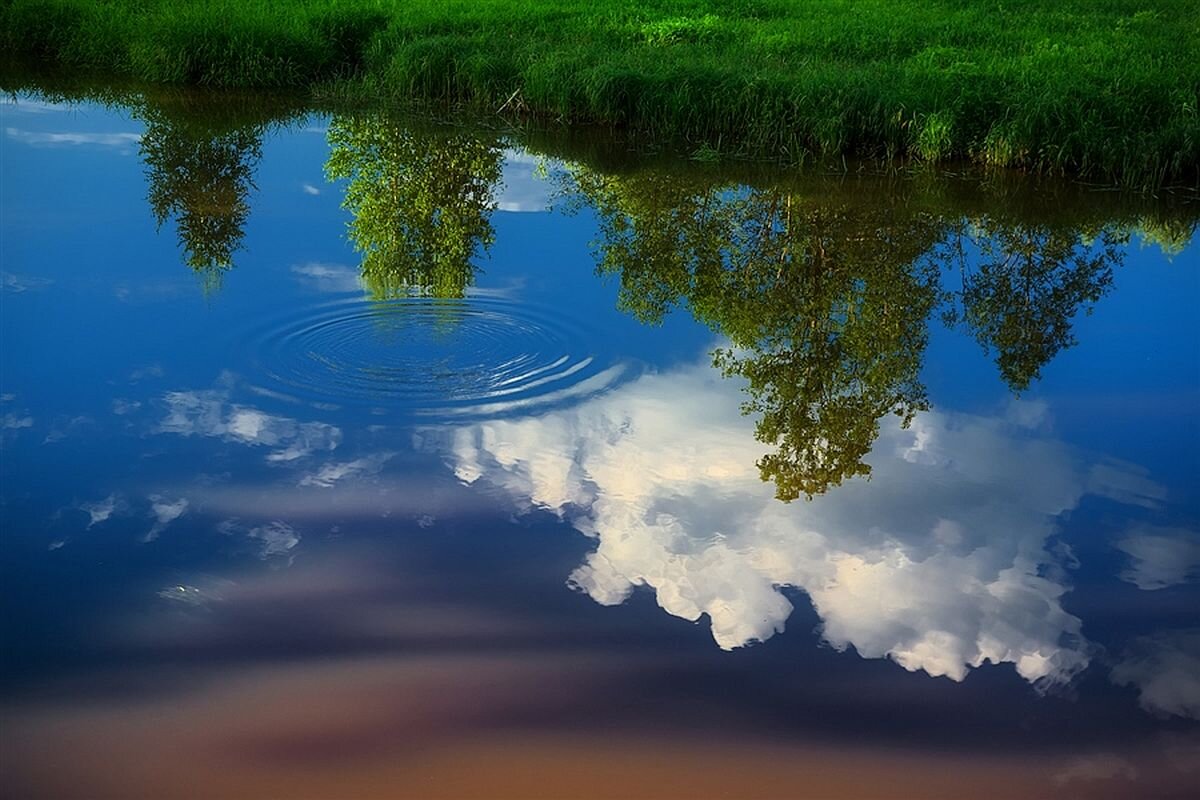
<point x="275" y="538"/>
<point x="1125" y="483"/>
<point x="309" y="189"/>
<point x="209" y="413"/>
<point x="1165" y="669"/>
<point x="524" y="187"/>
<point x="209" y="592"/>
<point x="100" y="511"/>
<point x="165" y="512"/>
<point x="16" y="421"/>
<point x="150" y="371"/>
<point x="1160" y="557"/>
<point x="1032" y="414"/>
<point x="73" y="138"/>
<point x="17" y="105"/>
<point x="330" y="474"/>
<point x="16" y="284"/>
<point x="940" y="562"/>
<point x="121" y="406"/>
<point x="333" y="278"/>
<point x="66" y="427"/>
<point x="1099" y="767"/>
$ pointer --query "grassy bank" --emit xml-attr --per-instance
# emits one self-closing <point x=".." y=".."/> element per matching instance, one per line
<point x="1106" y="89"/>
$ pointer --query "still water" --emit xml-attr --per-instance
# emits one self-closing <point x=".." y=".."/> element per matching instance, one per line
<point x="353" y="455"/>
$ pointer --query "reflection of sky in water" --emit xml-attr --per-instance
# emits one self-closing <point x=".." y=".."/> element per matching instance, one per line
<point x="939" y="562"/>
<point x="286" y="587"/>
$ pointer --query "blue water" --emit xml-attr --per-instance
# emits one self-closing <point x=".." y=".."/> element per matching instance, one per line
<point x="275" y="527"/>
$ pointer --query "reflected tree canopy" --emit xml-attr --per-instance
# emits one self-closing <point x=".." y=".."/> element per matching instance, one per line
<point x="824" y="298"/>
<point x="421" y="203"/>
<point x="824" y="306"/>
<point x="200" y="175"/>
<point x="1029" y="282"/>
<point x="826" y="303"/>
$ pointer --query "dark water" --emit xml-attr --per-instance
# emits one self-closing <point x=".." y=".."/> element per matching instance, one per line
<point x="349" y="455"/>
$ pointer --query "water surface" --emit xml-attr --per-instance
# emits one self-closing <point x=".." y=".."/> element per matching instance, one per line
<point x="349" y="454"/>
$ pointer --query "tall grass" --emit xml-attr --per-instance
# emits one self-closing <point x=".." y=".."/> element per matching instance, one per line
<point x="1104" y="89"/>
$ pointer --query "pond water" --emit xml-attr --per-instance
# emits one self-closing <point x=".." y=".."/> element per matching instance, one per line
<point x="357" y="455"/>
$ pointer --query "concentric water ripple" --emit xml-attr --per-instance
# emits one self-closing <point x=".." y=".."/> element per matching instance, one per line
<point x="471" y="356"/>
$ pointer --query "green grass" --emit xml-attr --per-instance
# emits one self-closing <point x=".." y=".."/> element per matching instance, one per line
<point x="1104" y="89"/>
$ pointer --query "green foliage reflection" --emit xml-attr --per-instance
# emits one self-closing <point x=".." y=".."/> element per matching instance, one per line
<point x="826" y="302"/>
<point x="1029" y="284"/>
<point x="200" y="175"/>
<point x="421" y="203"/>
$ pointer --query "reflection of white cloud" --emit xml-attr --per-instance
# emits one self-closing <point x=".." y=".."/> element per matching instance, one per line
<point x="101" y="511"/>
<point x="151" y="292"/>
<point x="151" y="371"/>
<point x="25" y="105"/>
<point x="275" y="538"/>
<point x="939" y="563"/>
<point x="330" y="474"/>
<point x="16" y="284"/>
<point x="121" y="406"/>
<point x="16" y="421"/>
<point x="73" y="138"/>
<point x="1160" y="557"/>
<point x="185" y="594"/>
<point x="1032" y="414"/>
<point x="64" y="428"/>
<point x="1125" y="483"/>
<point x="524" y="186"/>
<point x="1100" y="767"/>
<point x="211" y="591"/>
<point x="209" y="413"/>
<point x="1165" y="668"/>
<point x="411" y="498"/>
<point x="333" y="278"/>
<point x="165" y="512"/>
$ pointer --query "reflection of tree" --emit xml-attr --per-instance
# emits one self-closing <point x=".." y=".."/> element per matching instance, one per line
<point x="421" y="203"/>
<point x="832" y="308"/>
<point x="201" y="175"/>
<point x="1029" y="283"/>
<point x="825" y="307"/>
<point x="826" y="302"/>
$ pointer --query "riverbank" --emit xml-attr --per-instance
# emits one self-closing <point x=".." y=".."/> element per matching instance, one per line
<point x="1106" y="91"/>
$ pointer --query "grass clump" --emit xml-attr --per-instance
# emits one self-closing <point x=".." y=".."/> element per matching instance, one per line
<point x="1106" y="90"/>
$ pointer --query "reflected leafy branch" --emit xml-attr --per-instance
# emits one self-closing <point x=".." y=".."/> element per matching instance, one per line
<point x="826" y="303"/>
<point x="421" y="203"/>
<point x="824" y="306"/>
<point x="201" y="176"/>
<point x="1029" y="284"/>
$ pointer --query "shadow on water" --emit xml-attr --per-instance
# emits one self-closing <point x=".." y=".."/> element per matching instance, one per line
<point x="823" y="287"/>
